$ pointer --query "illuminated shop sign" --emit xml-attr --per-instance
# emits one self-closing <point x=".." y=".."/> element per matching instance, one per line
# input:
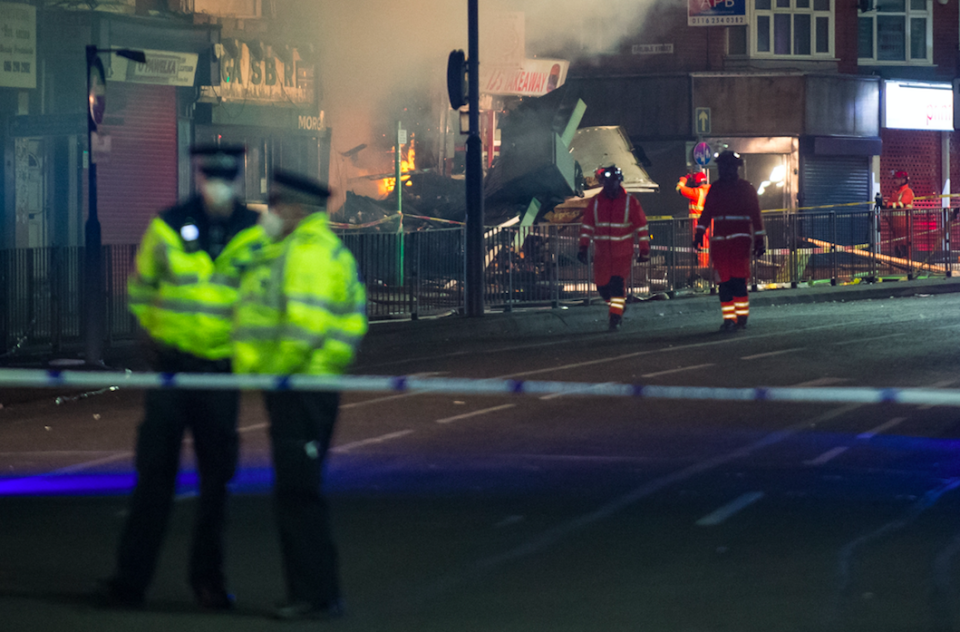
<point x="532" y="78"/>
<point x="922" y="106"/>
<point x="255" y="73"/>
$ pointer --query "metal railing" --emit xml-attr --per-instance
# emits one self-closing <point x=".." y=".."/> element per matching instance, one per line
<point x="422" y="273"/>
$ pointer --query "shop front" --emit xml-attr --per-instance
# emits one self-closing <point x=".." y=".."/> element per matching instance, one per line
<point x="139" y="147"/>
<point x="917" y="132"/>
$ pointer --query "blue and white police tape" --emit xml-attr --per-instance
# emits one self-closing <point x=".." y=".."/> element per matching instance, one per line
<point x="37" y="378"/>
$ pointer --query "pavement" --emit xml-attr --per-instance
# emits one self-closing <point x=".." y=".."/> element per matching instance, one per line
<point x="538" y="322"/>
<point x="579" y="318"/>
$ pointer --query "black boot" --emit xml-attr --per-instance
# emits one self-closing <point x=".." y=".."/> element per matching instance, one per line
<point x="741" y="322"/>
<point x="728" y="325"/>
<point x="615" y="320"/>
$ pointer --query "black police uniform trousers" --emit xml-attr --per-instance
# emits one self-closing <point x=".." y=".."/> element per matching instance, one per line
<point x="211" y="417"/>
<point x="301" y="427"/>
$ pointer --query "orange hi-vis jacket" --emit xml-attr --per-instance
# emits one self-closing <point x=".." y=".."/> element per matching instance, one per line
<point x="696" y="195"/>
<point x="899" y="225"/>
<point x="613" y="225"/>
<point x="732" y="206"/>
<point x="903" y="197"/>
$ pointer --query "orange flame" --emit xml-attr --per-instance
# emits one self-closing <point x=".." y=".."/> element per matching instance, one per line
<point x="407" y="164"/>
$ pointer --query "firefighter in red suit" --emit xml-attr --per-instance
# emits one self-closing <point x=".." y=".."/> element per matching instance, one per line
<point x="696" y="193"/>
<point x="733" y="208"/>
<point x="902" y="198"/>
<point x="613" y="221"/>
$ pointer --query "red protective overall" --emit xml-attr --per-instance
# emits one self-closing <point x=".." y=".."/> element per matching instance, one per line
<point x="733" y="208"/>
<point x="612" y="225"/>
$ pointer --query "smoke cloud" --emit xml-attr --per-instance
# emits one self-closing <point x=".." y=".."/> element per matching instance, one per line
<point x="382" y="62"/>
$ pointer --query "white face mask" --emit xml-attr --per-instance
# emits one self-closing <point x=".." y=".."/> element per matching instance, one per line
<point x="272" y="224"/>
<point x="218" y="192"/>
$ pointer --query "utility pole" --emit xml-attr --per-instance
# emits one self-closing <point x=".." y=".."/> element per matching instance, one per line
<point x="473" y="291"/>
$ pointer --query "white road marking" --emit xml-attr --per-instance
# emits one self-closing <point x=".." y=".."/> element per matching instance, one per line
<point x="372" y="440"/>
<point x="859" y="340"/>
<point x="827" y="456"/>
<point x="721" y="514"/>
<point x="944" y="383"/>
<point x="474" y="413"/>
<point x="557" y="533"/>
<point x="118" y="456"/>
<point x="606" y="360"/>
<point x="896" y="421"/>
<point x="509" y="520"/>
<point x="822" y="381"/>
<point x="584" y="457"/>
<point x="770" y="354"/>
<point x="940" y="384"/>
<point x="685" y="368"/>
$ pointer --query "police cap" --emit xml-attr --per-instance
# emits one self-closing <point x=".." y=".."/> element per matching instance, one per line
<point x="297" y="189"/>
<point x="218" y="161"/>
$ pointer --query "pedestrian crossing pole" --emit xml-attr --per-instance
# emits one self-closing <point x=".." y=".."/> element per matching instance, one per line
<point x="398" y="158"/>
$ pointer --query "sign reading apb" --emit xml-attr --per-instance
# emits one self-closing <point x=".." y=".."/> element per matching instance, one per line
<point x="716" y="12"/>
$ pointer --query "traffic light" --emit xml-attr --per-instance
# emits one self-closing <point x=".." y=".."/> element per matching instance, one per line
<point x="457" y="79"/>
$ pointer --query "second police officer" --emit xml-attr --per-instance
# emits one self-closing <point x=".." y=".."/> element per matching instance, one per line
<point x="302" y="310"/>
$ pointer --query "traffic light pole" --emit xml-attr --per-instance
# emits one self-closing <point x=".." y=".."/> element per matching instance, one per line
<point x="473" y="291"/>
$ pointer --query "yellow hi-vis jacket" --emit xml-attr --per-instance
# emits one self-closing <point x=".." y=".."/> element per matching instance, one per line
<point x="302" y="307"/>
<point x="181" y="295"/>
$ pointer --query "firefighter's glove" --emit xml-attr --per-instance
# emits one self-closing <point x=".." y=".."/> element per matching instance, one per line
<point x="642" y="258"/>
<point x="582" y="255"/>
<point x="759" y="250"/>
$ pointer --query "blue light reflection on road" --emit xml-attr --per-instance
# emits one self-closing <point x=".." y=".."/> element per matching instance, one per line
<point x="394" y="474"/>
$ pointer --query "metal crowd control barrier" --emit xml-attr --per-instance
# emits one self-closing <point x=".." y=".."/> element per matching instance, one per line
<point x="35" y="378"/>
<point x="409" y="275"/>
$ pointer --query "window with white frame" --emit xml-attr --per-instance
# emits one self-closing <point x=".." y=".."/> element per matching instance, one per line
<point x="896" y="31"/>
<point x="792" y="28"/>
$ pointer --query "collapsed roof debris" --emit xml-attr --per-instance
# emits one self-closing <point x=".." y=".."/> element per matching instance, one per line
<point x="544" y="173"/>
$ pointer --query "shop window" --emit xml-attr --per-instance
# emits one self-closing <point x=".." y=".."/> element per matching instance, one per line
<point x="896" y="32"/>
<point x="791" y="28"/>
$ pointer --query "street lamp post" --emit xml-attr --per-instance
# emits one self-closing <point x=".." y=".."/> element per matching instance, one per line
<point x="93" y="258"/>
